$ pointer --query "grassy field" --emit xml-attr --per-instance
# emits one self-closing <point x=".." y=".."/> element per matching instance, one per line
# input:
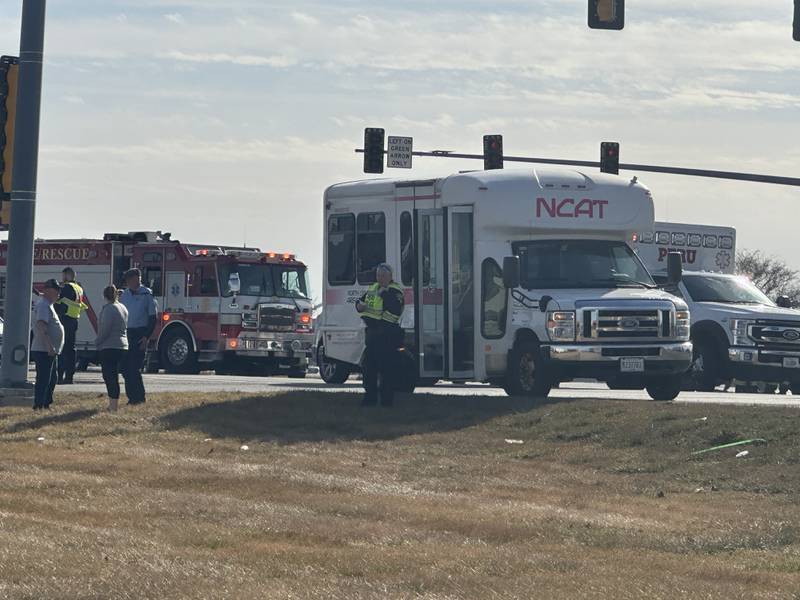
<point x="429" y="500"/>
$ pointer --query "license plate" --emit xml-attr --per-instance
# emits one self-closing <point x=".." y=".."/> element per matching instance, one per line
<point x="631" y="365"/>
<point x="791" y="362"/>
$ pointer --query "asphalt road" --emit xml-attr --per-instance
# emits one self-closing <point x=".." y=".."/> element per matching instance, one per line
<point x="91" y="382"/>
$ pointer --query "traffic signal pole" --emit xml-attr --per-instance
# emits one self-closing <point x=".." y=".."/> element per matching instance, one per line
<point x="736" y="176"/>
<point x="14" y="368"/>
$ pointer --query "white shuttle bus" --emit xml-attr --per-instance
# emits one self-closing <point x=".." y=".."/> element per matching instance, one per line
<point x="522" y="278"/>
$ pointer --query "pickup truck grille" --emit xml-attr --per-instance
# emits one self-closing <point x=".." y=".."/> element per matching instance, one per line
<point x="777" y="334"/>
<point x="276" y="318"/>
<point x="626" y="324"/>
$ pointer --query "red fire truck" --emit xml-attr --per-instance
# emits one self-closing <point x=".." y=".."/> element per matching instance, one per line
<point x="233" y="309"/>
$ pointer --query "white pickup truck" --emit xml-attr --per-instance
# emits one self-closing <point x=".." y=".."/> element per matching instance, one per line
<point x="740" y="336"/>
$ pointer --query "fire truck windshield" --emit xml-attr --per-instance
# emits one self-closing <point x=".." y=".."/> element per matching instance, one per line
<point x="266" y="280"/>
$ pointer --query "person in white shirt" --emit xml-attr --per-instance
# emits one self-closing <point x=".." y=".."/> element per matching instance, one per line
<point x="48" y="341"/>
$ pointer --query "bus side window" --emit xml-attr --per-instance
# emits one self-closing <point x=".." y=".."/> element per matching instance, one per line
<point x="407" y="256"/>
<point x="341" y="249"/>
<point x="370" y="245"/>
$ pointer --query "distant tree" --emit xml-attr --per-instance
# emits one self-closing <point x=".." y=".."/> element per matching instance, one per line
<point x="771" y="274"/>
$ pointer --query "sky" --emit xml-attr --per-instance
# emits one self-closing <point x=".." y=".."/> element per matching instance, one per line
<point x="224" y="121"/>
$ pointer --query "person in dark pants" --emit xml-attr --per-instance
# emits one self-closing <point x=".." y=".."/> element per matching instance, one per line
<point x="381" y="308"/>
<point x="112" y="343"/>
<point x="142" y="318"/>
<point x="69" y="308"/>
<point x="48" y="340"/>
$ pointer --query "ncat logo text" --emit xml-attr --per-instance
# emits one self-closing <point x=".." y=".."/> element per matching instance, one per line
<point x="570" y="208"/>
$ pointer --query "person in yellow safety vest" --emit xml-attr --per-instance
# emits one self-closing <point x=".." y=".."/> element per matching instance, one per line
<point x="69" y="307"/>
<point x="381" y="308"/>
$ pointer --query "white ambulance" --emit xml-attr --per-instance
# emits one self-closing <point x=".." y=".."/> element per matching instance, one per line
<point x="740" y="335"/>
<point x="521" y="278"/>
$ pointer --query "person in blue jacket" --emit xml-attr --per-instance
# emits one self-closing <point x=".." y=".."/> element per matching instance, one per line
<point x="142" y="318"/>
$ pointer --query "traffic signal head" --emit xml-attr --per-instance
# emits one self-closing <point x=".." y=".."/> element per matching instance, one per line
<point x="492" y="152"/>
<point x="609" y="157"/>
<point x="607" y="14"/>
<point x="9" y="72"/>
<point x="374" y="141"/>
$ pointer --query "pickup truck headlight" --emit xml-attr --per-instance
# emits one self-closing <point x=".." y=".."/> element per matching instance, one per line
<point x="683" y="325"/>
<point x="249" y="320"/>
<point x="561" y="326"/>
<point x="740" y="329"/>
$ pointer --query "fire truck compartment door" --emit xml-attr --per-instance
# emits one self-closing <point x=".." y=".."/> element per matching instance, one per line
<point x="175" y="292"/>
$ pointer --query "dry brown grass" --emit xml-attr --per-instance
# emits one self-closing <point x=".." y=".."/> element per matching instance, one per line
<point x="425" y="501"/>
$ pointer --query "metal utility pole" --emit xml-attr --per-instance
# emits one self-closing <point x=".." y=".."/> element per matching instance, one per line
<point x="14" y="368"/>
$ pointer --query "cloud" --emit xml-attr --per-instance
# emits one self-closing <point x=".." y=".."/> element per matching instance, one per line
<point x="242" y="59"/>
<point x="174" y="18"/>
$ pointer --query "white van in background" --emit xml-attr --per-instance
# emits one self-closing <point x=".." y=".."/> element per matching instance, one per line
<point x="740" y="335"/>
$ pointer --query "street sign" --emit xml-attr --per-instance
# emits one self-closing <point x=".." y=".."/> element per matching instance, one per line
<point x="400" y="152"/>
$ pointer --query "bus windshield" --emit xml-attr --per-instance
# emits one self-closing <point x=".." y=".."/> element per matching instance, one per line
<point x="266" y="280"/>
<point x="563" y="264"/>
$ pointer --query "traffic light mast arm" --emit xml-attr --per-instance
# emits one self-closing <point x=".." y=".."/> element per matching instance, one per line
<point x="773" y="179"/>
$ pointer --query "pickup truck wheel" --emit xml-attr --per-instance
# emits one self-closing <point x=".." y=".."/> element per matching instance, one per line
<point x="526" y="376"/>
<point x="664" y="389"/>
<point x="331" y="371"/>
<point x="703" y="375"/>
<point x="176" y="353"/>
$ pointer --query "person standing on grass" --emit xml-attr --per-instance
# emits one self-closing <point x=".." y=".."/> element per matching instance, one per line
<point x="142" y="318"/>
<point x="112" y="343"/>
<point x="381" y="308"/>
<point x="48" y="341"/>
<point x="70" y="305"/>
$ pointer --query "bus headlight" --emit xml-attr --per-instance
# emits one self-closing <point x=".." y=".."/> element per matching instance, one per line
<point x="561" y="326"/>
<point x="683" y="325"/>
<point x="741" y="332"/>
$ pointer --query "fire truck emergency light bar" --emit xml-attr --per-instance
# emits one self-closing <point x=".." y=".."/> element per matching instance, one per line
<point x="774" y="179"/>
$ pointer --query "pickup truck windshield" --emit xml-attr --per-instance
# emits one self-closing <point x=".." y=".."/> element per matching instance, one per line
<point x="580" y="264"/>
<point x="266" y="280"/>
<point x="729" y="290"/>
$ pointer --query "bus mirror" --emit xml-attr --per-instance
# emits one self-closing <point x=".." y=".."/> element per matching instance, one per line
<point x="674" y="268"/>
<point x="511" y="272"/>
<point x="784" y="302"/>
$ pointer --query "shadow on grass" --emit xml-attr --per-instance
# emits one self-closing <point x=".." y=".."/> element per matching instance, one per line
<point x="304" y="416"/>
<point x="56" y="419"/>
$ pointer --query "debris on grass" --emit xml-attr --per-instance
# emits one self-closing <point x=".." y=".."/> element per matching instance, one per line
<point x="244" y="448"/>
<point x="514" y="441"/>
<point x="731" y="445"/>
<point x="743" y="453"/>
<point x="40" y="438"/>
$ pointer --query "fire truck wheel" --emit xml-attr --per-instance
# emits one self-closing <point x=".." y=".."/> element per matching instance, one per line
<point x="177" y="354"/>
<point x="525" y="373"/>
<point x="664" y="389"/>
<point x="331" y="371"/>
